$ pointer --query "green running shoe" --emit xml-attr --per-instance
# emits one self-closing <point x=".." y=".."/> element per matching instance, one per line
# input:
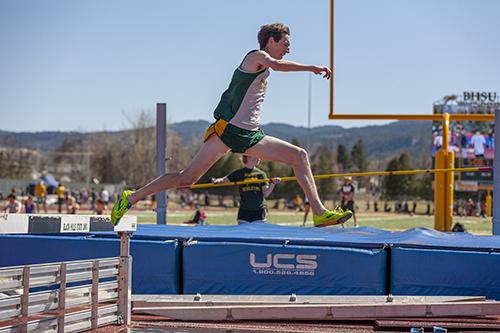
<point x="121" y="207"/>
<point x="332" y="217"/>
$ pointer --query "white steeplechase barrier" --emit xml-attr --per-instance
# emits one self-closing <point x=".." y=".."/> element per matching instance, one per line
<point x="108" y="302"/>
<point x="55" y="224"/>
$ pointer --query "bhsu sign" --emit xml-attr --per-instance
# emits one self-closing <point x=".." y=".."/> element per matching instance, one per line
<point x="479" y="98"/>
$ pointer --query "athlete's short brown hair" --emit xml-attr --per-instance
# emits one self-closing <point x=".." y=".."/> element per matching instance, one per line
<point x="274" y="30"/>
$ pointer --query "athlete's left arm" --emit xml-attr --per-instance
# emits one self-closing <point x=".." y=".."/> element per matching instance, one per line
<point x="268" y="189"/>
<point x="265" y="60"/>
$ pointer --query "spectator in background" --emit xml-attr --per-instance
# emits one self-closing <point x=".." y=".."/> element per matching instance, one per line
<point x="105" y="196"/>
<point x="464" y="144"/>
<point x="482" y="209"/>
<point x="470" y="207"/>
<point x="207" y="199"/>
<point x="387" y="209"/>
<point x="93" y="198"/>
<point x="478" y="141"/>
<point x="406" y="207"/>
<point x="438" y="140"/>
<point x="347" y="198"/>
<point x="100" y="208"/>
<point x="72" y="206"/>
<point x="29" y="206"/>
<point x="13" y="206"/>
<point x="60" y="191"/>
<point x="199" y="216"/>
<point x="297" y="202"/>
<point x="41" y="196"/>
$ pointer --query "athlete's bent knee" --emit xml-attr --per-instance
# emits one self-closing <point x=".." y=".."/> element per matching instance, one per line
<point x="301" y="157"/>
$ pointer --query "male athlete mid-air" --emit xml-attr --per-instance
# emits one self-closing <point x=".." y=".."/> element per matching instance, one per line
<point x="236" y="128"/>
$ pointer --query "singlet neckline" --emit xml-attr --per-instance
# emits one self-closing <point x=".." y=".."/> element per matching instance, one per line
<point x="248" y="72"/>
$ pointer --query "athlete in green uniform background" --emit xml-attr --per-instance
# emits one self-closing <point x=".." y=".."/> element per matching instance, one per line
<point x="252" y="206"/>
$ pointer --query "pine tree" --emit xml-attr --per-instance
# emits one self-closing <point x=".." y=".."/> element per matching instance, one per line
<point x="396" y="186"/>
<point x="343" y="159"/>
<point x="423" y="187"/>
<point x="359" y="157"/>
<point x="391" y="186"/>
<point x="360" y="161"/>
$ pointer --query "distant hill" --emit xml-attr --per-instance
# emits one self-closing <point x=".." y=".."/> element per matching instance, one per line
<point x="381" y="141"/>
<point x="38" y="140"/>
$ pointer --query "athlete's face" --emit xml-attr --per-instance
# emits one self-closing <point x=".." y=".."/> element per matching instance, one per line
<point x="280" y="48"/>
<point x="251" y="162"/>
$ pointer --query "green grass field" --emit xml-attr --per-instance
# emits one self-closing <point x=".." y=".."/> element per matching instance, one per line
<point x="387" y="221"/>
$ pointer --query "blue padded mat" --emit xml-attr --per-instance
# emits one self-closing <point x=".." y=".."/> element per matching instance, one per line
<point x="155" y="265"/>
<point x="416" y="271"/>
<point x="269" y="269"/>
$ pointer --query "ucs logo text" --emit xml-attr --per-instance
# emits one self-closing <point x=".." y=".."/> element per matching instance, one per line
<point x="286" y="261"/>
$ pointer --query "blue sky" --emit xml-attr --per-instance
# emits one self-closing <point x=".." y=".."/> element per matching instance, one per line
<point x="80" y="64"/>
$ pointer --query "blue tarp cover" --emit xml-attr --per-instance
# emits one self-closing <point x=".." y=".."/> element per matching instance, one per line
<point x="269" y="269"/>
<point x="363" y="237"/>
<point x="155" y="265"/>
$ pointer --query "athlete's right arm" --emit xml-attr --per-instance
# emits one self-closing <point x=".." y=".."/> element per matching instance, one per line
<point x="264" y="59"/>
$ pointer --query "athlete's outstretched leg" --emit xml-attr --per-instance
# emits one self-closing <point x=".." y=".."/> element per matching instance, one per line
<point x="271" y="148"/>
<point x="209" y="152"/>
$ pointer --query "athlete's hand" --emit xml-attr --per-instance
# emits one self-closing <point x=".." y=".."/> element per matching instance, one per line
<point x="216" y="180"/>
<point x="275" y="180"/>
<point x="327" y="73"/>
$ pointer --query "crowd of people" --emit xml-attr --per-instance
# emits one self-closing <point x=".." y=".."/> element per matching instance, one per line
<point x="63" y="200"/>
<point x="468" y="144"/>
<point x="68" y="201"/>
<point x="469" y="207"/>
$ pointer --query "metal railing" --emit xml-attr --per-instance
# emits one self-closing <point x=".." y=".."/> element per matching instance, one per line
<point x="74" y="296"/>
